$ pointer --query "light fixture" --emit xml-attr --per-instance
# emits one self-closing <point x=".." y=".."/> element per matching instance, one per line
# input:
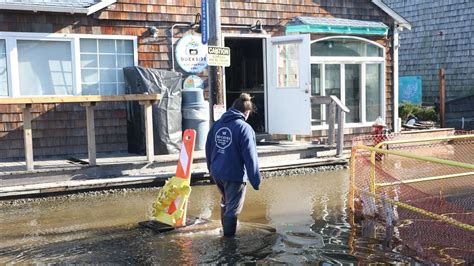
<point x="153" y="31"/>
<point x="257" y="28"/>
<point x="197" y="23"/>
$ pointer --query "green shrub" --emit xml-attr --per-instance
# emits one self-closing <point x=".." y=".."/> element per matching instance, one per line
<point x="423" y="113"/>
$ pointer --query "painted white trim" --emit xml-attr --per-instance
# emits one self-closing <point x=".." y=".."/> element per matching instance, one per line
<point x="37" y="35"/>
<point x="345" y="59"/>
<point x="398" y="19"/>
<point x="101" y="5"/>
<point x="12" y="63"/>
<point x="42" y="8"/>
<point x="363" y="92"/>
<point x="57" y="9"/>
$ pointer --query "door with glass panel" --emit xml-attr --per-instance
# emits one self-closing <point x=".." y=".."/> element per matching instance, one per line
<point x="289" y="106"/>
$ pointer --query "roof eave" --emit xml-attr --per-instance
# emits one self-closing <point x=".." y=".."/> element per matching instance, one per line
<point x="398" y="19"/>
<point x="58" y="9"/>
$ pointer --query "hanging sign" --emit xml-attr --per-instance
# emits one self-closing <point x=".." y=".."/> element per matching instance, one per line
<point x="191" y="54"/>
<point x="218" y="56"/>
<point x="204" y="25"/>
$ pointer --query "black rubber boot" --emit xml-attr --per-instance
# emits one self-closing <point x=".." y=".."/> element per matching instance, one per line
<point x="230" y="226"/>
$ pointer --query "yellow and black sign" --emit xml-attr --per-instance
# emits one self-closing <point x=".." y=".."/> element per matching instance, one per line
<point x="218" y="56"/>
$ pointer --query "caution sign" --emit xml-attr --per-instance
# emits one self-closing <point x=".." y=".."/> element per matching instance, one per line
<point x="218" y="56"/>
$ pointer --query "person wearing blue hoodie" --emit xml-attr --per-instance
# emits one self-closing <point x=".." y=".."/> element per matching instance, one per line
<point x="231" y="155"/>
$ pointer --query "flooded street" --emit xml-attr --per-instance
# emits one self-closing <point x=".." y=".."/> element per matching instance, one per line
<point x="309" y="214"/>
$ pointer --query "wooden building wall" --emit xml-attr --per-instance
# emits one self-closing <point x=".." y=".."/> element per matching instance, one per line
<point x="58" y="130"/>
<point x="441" y="36"/>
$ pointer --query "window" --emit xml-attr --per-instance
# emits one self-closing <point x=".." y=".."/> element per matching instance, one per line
<point x="101" y="65"/>
<point x="58" y="64"/>
<point x="350" y="68"/>
<point x="287" y="70"/>
<point x="3" y="70"/>
<point x="45" y="67"/>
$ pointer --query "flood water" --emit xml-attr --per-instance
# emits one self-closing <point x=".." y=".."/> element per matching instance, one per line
<point x="309" y="214"/>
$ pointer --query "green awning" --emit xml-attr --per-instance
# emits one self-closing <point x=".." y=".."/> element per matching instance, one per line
<point x="336" y="25"/>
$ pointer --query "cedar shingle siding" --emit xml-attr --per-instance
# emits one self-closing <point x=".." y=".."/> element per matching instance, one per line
<point x="441" y="36"/>
<point x="60" y="129"/>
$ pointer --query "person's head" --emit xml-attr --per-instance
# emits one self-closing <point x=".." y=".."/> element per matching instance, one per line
<point x="244" y="104"/>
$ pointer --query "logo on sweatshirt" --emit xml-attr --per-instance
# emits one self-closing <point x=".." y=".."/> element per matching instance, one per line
<point x="223" y="138"/>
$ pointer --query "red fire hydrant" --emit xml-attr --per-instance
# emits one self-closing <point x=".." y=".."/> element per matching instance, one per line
<point x="379" y="131"/>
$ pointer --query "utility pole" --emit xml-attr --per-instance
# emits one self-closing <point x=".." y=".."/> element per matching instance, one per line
<point x="216" y="94"/>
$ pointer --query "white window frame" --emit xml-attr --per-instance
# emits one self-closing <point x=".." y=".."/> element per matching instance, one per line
<point x="11" y="39"/>
<point x="342" y="61"/>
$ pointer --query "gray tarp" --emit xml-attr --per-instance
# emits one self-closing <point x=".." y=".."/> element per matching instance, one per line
<point x="167" y="129"/>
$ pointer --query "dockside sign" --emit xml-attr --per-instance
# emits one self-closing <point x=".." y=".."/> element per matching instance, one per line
<point x="218" y="56"/>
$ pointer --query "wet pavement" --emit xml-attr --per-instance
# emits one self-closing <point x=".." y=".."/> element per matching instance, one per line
<point x="308" y="212"/>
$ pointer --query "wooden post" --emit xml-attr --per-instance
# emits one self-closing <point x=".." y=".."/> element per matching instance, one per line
<point x="442" y="97"/>
<point x="216" y="93"/>
<point x="90" y="125"/>
<point x="28" y="137"/>
<point x="340" y="132"/>
<point x="150" y="146"/>
<point x="332" y="122"/>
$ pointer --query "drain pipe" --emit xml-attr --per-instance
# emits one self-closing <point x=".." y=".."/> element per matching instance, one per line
<point x="396" y="46"/>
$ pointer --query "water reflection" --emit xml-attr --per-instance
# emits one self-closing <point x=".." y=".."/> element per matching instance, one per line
<point x="308" y="212"/>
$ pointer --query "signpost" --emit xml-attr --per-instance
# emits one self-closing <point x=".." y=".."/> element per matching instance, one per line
<point x="218" y="56"/>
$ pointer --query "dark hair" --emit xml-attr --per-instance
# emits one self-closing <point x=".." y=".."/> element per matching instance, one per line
<point x="243" y="103"/>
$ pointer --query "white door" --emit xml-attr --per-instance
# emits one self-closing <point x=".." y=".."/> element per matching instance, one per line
<point x="289" y="85"/>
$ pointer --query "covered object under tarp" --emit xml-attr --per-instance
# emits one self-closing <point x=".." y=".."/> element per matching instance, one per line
<point x="167" y="129"/>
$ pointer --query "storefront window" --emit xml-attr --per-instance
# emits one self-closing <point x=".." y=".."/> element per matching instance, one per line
<point x="3" y="70"/>
<point x="372" y="90"/>
<point x="352" y="71"/>
<point x="352" y="92"/>
<point x="345" y="47"/>
<point x="287" y="68"/>
<point x="45" y="67"/>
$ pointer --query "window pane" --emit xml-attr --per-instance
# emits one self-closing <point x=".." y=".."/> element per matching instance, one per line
<point x="373" y="91"/>
<point x="108" y="75"/>
<point x="316" y="109"/>
<point x="108" y="89"/>
<point x="332" y="82"/>
<point x="287" y="65"/>
<point x="121" y="88"/>
<point x="90" y="89"/>
<point x="124" y="60"/>
<point x="345" y="47"/>
<point x="45" y="67"/>
<point x="124" y="47"/>
<point x="3" y="70"/>
<point x="107" y="46"/>
<point x="107" y="61"/>
<point x="89" y="61"/>
<point x="88" y="45"/>
<point x="352" y="93"/>
<point x="90" y="76"/>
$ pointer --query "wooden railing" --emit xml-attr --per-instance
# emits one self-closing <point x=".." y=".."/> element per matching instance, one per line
<point x="334" y="104"/>
<point x="89" y="102"/>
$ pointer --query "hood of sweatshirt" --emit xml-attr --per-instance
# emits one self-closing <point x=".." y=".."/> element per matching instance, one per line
<point x="232" y="114"/>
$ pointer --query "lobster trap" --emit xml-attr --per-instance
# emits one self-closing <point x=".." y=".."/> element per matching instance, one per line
<point x="421" y="185"/>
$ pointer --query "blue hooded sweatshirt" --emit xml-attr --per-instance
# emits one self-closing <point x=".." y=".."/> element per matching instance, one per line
<point x="231" y="150"/>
